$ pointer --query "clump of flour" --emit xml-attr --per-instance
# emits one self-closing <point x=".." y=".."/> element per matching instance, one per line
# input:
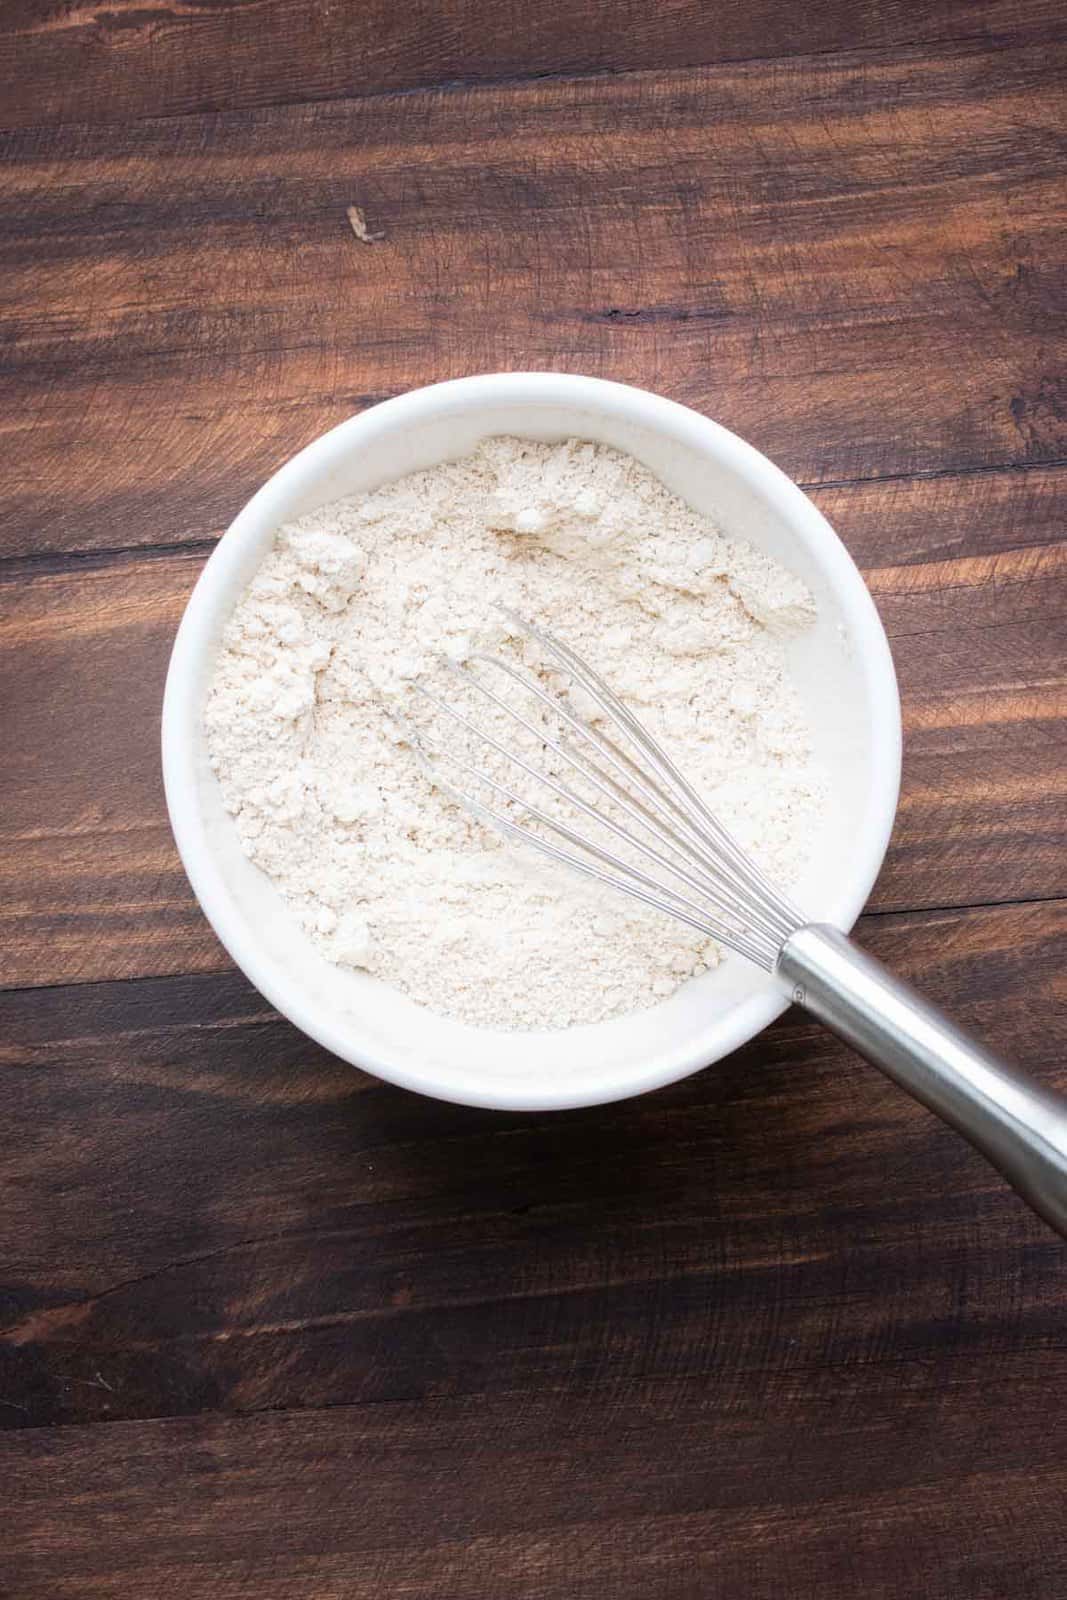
<point x="359" y="600"/>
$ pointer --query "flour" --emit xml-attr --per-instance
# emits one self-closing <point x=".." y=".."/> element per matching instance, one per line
<point x="357" y="601"/>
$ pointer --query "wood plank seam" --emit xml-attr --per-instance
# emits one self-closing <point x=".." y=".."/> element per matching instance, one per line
<point x="72" y="560"/>
<point x="590" y="1389"/>
<point x="986" y="42"/>
<point x="879" y="915"/>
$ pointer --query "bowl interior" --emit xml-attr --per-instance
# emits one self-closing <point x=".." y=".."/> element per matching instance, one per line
<point x="841" y="665"/>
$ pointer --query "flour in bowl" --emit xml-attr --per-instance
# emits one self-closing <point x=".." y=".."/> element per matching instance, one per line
<point x="358" y="600"/>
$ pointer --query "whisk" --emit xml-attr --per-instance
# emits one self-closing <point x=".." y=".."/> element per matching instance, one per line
<point x="600" y="796"/>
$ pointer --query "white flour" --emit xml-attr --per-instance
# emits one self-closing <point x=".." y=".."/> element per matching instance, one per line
<point x="355" y="601"/>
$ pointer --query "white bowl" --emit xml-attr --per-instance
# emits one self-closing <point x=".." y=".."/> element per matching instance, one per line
<point x="842" y="666"/>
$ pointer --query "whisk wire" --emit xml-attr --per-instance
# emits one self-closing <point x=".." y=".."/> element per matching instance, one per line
<point x="623" y="765"/>
<point x="691" y="865"/>
<point x="712" y="925"/>
<point x="690" y="805"/>
<point x="736" y="904"/>
<point x="647" y="889"/>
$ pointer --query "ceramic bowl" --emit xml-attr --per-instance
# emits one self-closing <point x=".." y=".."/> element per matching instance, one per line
<point x="842" y="667"/>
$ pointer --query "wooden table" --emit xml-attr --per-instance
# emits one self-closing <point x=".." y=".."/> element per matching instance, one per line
<point x="273" y="1329"/>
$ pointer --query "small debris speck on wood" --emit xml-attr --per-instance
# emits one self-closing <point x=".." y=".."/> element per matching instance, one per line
<point x="358" y="222"/>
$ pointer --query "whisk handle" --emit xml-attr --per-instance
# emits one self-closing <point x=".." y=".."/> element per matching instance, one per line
<point x="1015" y="1123"/>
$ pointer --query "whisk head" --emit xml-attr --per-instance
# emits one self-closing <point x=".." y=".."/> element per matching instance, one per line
<point x="582" y="756"/>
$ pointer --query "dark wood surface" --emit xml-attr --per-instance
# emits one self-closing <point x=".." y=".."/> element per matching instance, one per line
<point x="855" y="260"/>
<point x="268" y="1327"/>
<point x="65" y="62"/>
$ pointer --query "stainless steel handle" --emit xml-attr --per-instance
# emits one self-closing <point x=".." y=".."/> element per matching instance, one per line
<point x="1019" y="1126"/>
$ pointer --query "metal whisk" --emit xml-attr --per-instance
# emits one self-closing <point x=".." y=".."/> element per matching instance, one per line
<point x="643" y="829"/>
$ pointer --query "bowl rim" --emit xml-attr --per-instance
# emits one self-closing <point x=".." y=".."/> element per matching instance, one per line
<point x="198" y="627"/>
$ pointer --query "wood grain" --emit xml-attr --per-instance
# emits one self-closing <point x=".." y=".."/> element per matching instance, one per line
<point x="992" y="516"/>
<point x="205" y="1211"/>
<point x="125" y="60"/>
<point x="90" y="884"/>
<point x="672" y="1490"/>
<point x="853" y="261"/>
